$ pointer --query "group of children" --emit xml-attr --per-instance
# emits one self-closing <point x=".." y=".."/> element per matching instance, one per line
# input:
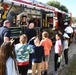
<point x="15" y="58"/>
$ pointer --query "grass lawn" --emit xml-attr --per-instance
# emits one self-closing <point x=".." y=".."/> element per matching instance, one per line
<point x="72" y="68"/>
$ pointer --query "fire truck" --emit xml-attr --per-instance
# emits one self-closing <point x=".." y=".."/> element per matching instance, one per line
<point x="21" y="12"/>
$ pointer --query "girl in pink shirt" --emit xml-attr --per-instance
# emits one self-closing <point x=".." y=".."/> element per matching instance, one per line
<point x="47" y="44"/>
<point x="58" y="52"/>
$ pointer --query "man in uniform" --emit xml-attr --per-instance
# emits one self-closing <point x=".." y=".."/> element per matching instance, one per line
<point x="5" y="32"/>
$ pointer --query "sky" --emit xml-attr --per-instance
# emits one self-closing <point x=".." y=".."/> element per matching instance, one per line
<point x="70" y="4"/>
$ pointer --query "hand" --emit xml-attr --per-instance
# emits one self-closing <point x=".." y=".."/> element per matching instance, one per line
<point x="33" y="37"/>
<point x="12" y="41"/>
<point x="59" y="54"/>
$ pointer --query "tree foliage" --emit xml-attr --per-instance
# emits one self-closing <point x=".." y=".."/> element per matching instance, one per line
<point x="63" y="8"/>
<point x="54" y="3"/>
<point x="57" y="5"/>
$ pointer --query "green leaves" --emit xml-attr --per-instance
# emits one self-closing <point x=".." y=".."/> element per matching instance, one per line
<point x="57" y="5"/>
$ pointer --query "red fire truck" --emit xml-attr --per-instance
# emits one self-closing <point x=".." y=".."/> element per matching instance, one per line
<point x="21" y="12"/>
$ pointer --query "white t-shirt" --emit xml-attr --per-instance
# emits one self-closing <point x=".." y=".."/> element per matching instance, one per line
<point x="69" y="29"/>
<point x="65" y="44"/>
<point x="10" y="67"/>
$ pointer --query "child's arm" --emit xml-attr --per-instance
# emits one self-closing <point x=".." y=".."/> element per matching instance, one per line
<point x="60" y="50"/>
<point x="51" y="44"/>
<point x="43" y="55"/>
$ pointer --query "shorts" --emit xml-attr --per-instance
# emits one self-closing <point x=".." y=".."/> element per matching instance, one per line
<point x="23" y="69"/>
<point x="46" y="58"/>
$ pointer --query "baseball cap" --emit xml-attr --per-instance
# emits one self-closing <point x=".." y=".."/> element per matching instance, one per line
<point x="66" y="35"/>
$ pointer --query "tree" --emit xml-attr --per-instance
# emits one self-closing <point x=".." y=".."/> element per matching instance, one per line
<point x="63" y="8"/>
<point x="57" y="5"/>
<point x="54" y="3"/>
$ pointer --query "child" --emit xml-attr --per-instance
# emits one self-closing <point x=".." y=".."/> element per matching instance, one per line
<point x="7" y="59"/>
<point x="22" y="54"/>
<point x="58" y="52"/>
<point x="65" y="47"/>
<point x="38" y="56"/>
<point x="47" y="43"/>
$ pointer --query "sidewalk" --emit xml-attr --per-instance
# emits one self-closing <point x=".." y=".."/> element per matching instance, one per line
<point x="72" y="51"/>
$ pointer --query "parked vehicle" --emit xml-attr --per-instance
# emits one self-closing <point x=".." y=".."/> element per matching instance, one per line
<point x="22" y="12"/>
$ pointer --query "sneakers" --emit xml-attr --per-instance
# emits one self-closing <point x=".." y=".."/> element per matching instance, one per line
<point x="42" y="72"/>
<point x="45" y="72"/>
<point x="55" y="73"/>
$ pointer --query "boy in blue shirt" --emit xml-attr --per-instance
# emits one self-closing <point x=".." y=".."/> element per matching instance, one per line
<point x="38" y="57"/>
